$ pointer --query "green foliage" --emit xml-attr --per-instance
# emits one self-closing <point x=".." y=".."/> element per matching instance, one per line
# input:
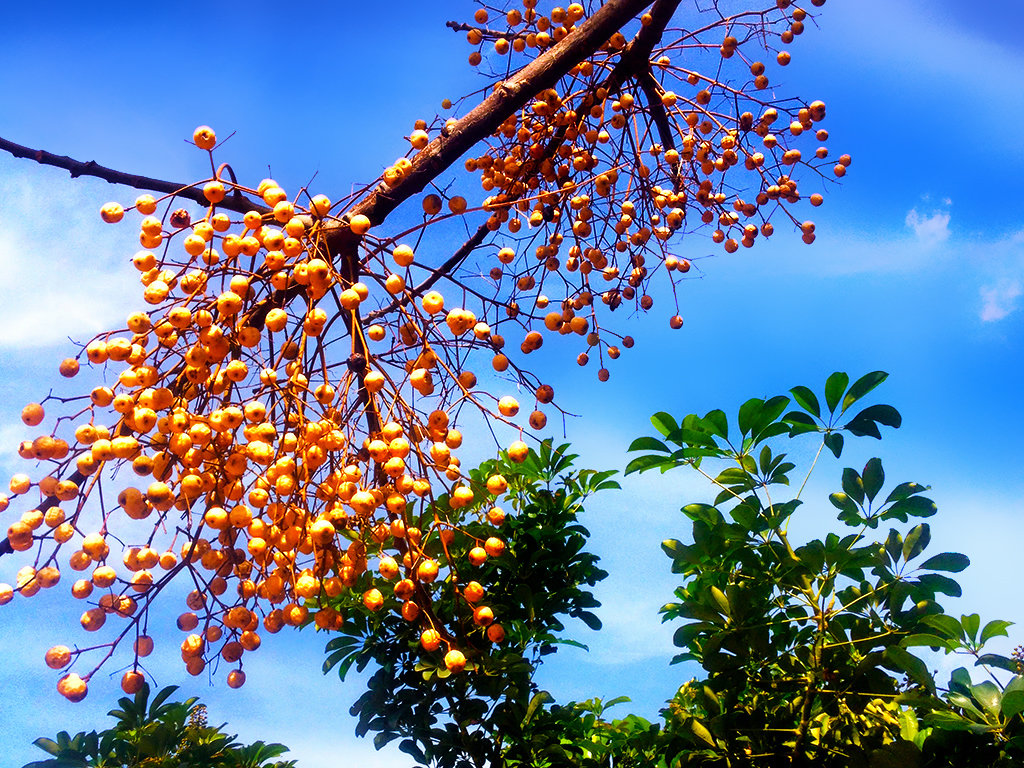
<point x="157" y="734"/>
<point x="811" y="650"/>
<point x="491" y="712"/>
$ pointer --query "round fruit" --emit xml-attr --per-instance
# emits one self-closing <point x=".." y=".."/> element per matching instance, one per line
<point x="455" y="661"/>
<point x="58" y="657"/>
<point x="204" y="137"/>
<point x="430" y="639"/>
<point x="72" y="687"/>
<point x="132" y="682"/>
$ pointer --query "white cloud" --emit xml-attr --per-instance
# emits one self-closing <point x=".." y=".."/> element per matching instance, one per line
<point x="931" y="230"/>
<point x="62" y="271"/>
<point x="999" y="300"/>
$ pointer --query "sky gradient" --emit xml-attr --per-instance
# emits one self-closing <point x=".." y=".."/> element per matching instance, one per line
<point x="918" y="270"/>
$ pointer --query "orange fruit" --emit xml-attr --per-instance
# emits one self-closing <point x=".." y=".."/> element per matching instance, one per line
<point x="58" y="657"/>
<point x="477" y="556"/>
<point x="518" y="451"/>
<point x="359" y="224"/>
<point x="427" y="571"/>
<point x="455" y="660"/>
<point x="112" y="213"/>
<point x="132" y="682"/>
<point x="204" y="137"/>
<point x="32" y="414"/>
<point x="72" y="687"/>
<point x="430" y="639"/>
<point x="473" y="592"/>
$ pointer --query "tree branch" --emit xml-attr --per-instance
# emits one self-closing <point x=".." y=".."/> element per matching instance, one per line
<point x="235" y="202"/>
<point x="508" y="97"/>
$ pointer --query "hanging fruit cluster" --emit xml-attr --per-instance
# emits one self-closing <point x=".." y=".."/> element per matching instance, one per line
<point x="281" y="416"/>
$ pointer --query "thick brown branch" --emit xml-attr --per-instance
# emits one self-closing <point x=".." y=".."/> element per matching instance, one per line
<point x="508" y="97"/>
<point x="236" y="202"/>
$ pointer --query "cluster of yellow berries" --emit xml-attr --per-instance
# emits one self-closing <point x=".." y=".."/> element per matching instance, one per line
<point x="282" y="461"/>
<point x="282" y="414"/>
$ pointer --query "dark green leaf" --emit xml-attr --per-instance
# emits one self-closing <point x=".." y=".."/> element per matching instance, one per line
<point x="749" y="413"/>
<point x="1012" y="703"/>
<point x="998" y="661"/>
<point x="988" y="695"/>
<point x="835" y="385"/>
<point x="903" y="490"/>
<point x="953" y="562"/>
<point x="834" y="442"/>
<point x="853" y="485"/>
<point x="866" y="422"/>
<point x="904" y="661"/>
<point x="862" y="386"/>
<point x="806" y="399"/>
<point x="916" y="540"/>
<point x="932" y="641"/>
<point x="936" y="582"/>
<point x="717" y="423"/>
<point x="946" y="625"/>
<point x="648" y="444"/>
<point x="872" y="478"/>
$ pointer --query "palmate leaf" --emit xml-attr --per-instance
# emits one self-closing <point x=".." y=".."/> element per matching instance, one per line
<point x="863" y="386"/>
<point x="807" y="400"/>
<point x="835" y="385"/>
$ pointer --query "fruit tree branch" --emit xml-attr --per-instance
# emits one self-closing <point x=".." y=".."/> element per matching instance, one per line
<point x="236" y="202"/>
<point x="508" y="97"/>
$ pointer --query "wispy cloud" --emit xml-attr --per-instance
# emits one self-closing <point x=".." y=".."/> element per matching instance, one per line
<point x="999" y="300"/>
<point x="930" y="230"/>
<point x="62" y="271"/>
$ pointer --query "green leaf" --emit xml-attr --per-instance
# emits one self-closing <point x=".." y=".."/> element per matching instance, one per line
<point x="872" y="478"/>
<point x="994" y="628"/>
<point x="947" y="625"/>
<point x="916" y="540"/>
<point x="915" y="506"/>
<point x="834" y="442"/>
<point x="702" y="733"/>
<point x="648" y="444"/>
<point x="720" y="600"/>
<point x="806" y="399"/>
<point x="998" y="661"/>
<point x="903" y="490"/>
<point x="971" y="623"/>
<point x="932" y="641"/>
<point x="866" y="422"/>
<point x="644" y="463"/>
<point x="664" y="423"/>
<point x="862" y="386"/>
<point x="48" y="745"/>
<point x="904" y="661"/>
<point x="1012" y="703"/>
<point x="988" y="695"/>
<point x="749" y="412"/>
<point x="717" y="424"/>
<point x="853" y="485"/>
<point x="936" y="582"/>
<point x="953" y="562"/>
<point x="835" y="385"/>
<point x="535" y="703"/>
<point x="799" y="423"/>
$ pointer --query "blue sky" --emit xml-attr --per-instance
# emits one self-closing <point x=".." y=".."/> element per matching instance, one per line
<point x="918" y="270"/>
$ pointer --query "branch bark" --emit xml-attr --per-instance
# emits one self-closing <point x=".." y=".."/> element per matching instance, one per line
<point x="235" y="202"/>
<point x="508" y="97"/>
